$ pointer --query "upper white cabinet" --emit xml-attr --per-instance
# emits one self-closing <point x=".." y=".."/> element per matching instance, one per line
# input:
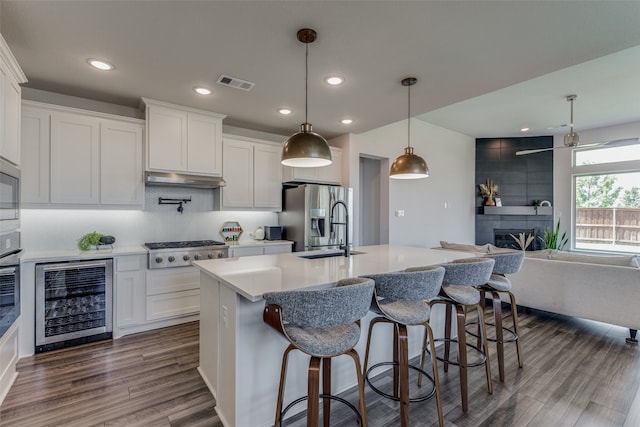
<point x="253" y="174"/>
<point x="331" y="174"/>
<point x="76" y="157"/>
<point x="182" y="139"/>
<point x="10" y="78"/>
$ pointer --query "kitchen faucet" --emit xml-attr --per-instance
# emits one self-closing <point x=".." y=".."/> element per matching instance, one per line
<point x="345" y="223"/>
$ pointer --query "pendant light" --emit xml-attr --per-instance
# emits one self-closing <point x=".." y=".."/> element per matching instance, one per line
<point x="571" y="139"/>
<point x="409" y="165"/>
<point x="306" y="149"/>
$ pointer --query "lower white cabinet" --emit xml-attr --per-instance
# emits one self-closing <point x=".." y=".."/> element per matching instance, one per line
<point x="130" y="291"/>
<point x="259" y="249"/>
<point x="172" y="292"/>
<point x="8" y="359"/>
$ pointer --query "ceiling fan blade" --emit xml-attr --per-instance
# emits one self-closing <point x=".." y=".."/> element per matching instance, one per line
<point x="619" y="142"/>
<point x="539" y="150"/>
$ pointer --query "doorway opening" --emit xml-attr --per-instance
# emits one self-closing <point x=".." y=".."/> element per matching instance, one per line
<point x="374" y="201"/>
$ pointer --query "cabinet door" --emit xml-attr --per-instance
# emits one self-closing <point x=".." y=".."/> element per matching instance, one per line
<point x="166" y="139"/>
<point x="238" y="173"/>
<point x="75" y="159"/>
<point x="277" y="249"/>
<point x="10" y="127"/>
<point x="204" y="148"/>
<point x="267" y="177"/>
<point x="130" y="298"/>
<point x="246" y="251"/>
<point x="35" y="156"/>
<point x="120" y="163"/>
<point x="332" y="174"/>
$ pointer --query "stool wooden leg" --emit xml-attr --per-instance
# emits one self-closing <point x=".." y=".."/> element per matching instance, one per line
<point x="436" y="379"/>
<point x="363" y="405"/>
<point x="283" y="374"/>
<point x="396" y="362"/>
<point x="313" y="393"/>
<point x="485" y="343"/>
<point x="366" y="354"/>
<point x="497" y="315"/>
<point x="403" y="355"/>
<point x="479" y="332"/>
<point x="447" y="335"/>
<point x="516" y="326"/>
<point x="462" y="355"/>
<point x="326" y="390"/>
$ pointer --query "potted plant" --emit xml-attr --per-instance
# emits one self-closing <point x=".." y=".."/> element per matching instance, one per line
<point x="488" y="191"/>
<point x="553" y="239"/>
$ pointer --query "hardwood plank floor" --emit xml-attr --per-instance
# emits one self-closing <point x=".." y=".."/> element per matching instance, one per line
<point x="576" y="373"/>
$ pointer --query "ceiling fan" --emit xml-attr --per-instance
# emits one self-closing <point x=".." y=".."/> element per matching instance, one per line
<point x="572" y="139"/>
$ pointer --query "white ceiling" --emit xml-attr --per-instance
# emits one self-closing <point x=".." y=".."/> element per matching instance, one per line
<point x="484" y="68"/>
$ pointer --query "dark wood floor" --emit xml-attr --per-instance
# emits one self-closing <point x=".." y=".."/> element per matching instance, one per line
<point x="577" y="373"/>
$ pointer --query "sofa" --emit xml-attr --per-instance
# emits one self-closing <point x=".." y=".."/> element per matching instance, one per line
<point x="594" y="287"/>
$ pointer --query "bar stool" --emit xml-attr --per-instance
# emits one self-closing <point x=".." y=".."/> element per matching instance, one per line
<point x="399" y="299"/>
<point x="505" y="263"/>
<point x="322" y="323"/>
<point x="459" y="293"/>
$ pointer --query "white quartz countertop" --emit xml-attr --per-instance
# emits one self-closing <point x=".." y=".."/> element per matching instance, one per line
<point x="251" y="243"/>
<point x="253" y="276"/>
<point x="65" y="255"/>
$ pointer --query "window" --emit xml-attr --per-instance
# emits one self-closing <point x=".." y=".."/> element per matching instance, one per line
<point x="606" y="188"/>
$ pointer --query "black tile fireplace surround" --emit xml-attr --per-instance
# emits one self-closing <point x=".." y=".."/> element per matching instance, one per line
<point x="521" y="180"/>
<point x="502" y="238"/>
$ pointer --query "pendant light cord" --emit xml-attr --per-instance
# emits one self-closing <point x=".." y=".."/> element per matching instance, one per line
<point x="306" y="83"/>
<point x="571" y="116"/>
<point x="409" y="117"/>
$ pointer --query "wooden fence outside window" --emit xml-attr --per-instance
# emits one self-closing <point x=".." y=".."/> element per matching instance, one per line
<point x="610" y="226"/>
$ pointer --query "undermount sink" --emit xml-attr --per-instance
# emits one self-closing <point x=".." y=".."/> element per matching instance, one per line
<point x="323" y="254"/>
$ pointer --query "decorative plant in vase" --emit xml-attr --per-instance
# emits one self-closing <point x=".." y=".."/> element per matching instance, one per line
<point x="488" y="191"/>
<point x="523" y="241"/>
<point x="553" y="239"/>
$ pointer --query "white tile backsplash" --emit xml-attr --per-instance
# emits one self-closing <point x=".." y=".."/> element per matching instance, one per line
<point x="60" y="229"/>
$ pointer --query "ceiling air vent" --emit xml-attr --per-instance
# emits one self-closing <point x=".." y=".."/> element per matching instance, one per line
<point x="236" y="83"/>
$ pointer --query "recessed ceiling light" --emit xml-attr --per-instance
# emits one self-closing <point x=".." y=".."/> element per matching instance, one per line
<point x="100" y="65"/>
<point x="524" y="130"/>
<point x="346" y="121"/>
<point x="202" y="90"/>
<point x="334" y="80"/>
<point x="285" y="111"/>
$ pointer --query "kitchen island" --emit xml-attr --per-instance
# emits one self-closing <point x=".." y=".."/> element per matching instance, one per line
<point x="240" y="355"/>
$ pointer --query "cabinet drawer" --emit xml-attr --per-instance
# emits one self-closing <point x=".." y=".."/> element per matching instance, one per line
<point x="172" y="280"/>
<point x="131" y="263"/>
<point x="171" y="305"/>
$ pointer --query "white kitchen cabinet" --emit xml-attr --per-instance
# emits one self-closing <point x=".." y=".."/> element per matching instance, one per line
<point x="75" y="159"/>
<point x="259" y="249"/>
<point x="331" y="174"/>
<point x="79" y="158"/>
<point x="8" y="359"/>
<point x="129" y="291"/>
<point x="253" y="174"/>
<point x="172" y="292"/>
<point x="35" y="156"/>
<point x="182" y="139"/>
<point x="121" y="163"/>
<point x="10" y="78"/>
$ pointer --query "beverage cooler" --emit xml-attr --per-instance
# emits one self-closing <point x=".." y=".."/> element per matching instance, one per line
<point x="73" y="303"/>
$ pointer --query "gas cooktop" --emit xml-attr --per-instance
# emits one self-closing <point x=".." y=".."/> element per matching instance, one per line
<point x="182" y="244"/>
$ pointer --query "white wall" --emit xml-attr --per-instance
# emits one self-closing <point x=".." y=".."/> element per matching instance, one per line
<point x="562" y="162"/>
<point x="451" y="159"/>
<point x="55" y="229"/>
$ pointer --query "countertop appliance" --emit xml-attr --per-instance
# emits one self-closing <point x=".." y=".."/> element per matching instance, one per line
<point x="273" y="232"/>
<point x="315" y="216"/>
<point x="74" y="303"/>
<point x="180" y="254"/>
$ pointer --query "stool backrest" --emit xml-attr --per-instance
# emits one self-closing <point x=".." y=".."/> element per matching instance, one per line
<point x="348" y="301"/>
<point x="418" y="285"/>
<point x="507" y="262"/>
<point x="468" y="271"/>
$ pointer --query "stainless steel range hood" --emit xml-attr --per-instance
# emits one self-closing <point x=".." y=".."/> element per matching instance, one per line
<point x="183" y="180"/>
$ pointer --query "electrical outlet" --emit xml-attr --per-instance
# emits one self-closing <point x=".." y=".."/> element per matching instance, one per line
<point x="399" y="212"/>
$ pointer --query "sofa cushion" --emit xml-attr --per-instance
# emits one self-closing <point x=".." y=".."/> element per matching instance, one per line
<point x="496" y="250"/>
<point x="620" y="260"/>
<point x="465" y="247"/>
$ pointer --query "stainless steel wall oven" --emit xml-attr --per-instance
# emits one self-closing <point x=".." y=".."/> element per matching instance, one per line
<point x="9" y="291"/>
<point x="9" y="197"/>
<point x="73" y="303"/>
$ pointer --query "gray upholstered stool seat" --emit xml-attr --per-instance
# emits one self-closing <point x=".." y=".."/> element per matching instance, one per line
<point x="400" y="299"/>
<point x="505" y="263"/>
<point x="459" y="292"/>
<point x="322" y="323"/>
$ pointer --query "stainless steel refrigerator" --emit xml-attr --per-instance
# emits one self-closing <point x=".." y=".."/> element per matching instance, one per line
<point x="317" y="216"/>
